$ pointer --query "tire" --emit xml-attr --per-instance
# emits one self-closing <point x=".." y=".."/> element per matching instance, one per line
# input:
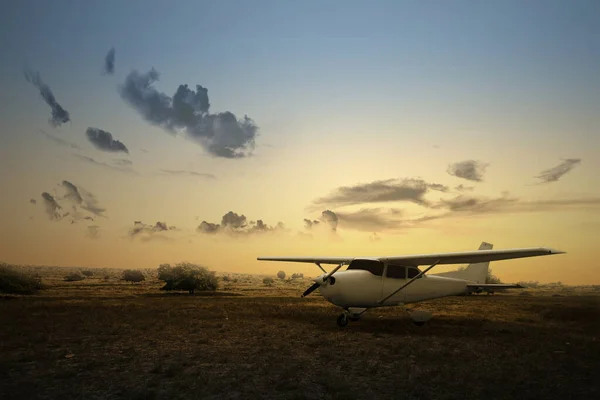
<point x="342" y="320"/>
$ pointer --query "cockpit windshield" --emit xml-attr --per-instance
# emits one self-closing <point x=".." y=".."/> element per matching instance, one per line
<point x="373" y="266"/>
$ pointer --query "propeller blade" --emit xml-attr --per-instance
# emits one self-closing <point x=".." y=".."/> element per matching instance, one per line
<point x="310" y="289"/>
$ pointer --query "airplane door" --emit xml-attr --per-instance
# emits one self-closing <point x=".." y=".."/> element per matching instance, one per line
<point x="394" y="278"/>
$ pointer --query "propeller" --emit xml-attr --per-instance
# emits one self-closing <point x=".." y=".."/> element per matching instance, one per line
<point x="321" y="280"/>
<point x="311" y="289"/>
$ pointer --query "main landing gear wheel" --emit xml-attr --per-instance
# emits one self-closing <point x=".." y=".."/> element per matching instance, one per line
<point x="342" y="320"/>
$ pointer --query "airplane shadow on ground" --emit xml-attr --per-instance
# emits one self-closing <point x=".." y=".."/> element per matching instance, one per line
<point x="400" y="324"/>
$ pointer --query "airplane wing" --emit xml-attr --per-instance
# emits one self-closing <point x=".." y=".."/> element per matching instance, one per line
<point x="461" y="257"/>
<point x="468" y="257"/>
<point x="314" y="260"/>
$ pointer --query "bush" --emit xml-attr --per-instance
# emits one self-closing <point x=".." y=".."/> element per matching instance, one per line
<point x="187" y="276"/>
<point x="268" y="281"/>
<point x="297" y="275"/>
<point x="133" y="275"/>
<point x="74" y="276"/>
<point x="15" y="282"/>
<point x="281" y="274"/>
<point x="491" y="278"/>
<point x="87" y="273"/>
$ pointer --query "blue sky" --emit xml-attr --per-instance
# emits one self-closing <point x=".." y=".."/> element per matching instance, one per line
<point x="342" y="92"/>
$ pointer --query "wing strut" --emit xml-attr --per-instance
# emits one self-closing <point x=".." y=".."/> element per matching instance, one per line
<point x="409" y="282"/>
<point x="319" y="265"/>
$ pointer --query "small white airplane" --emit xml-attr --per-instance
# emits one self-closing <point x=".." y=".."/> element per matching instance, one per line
<point x="371" y="282"/>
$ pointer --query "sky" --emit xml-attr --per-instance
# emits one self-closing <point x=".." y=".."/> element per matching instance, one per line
<point x="144" y="132"/>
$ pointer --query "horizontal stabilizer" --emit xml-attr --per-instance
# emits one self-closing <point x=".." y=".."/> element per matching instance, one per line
<point x="494" y="286"/>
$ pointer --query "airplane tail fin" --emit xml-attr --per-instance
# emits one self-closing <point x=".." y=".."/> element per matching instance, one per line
<point x="475" y="272"/>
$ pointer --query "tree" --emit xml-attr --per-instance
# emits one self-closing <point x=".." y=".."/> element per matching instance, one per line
<point x="187" y="276"/>
<point x="87" y="273"/>
<point x="74" y="276"/>
<point x="490" y="278"/>
<point x="281" y="275"/>
<point x="133" y="275"/>
<point x="298" y="275"/>
<point x="268" y="281"/>
<point x="16" y="282"/>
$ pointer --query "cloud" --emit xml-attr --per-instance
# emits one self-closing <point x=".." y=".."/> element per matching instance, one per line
<point x="330" y="219"/>
<point x="191" y="173"/>
<point x="58" y="141"/>
<point x="150" y="232"/>
<point x="92" y="161"/>
<point x="103" y="140"/>
<point x="59" y="114"/>
<point x="555" y="173"/>
<point x="237" y="225"/>
<point x="51" y="206"/>
<point x="109" y="62"/>
<point x="93" y="232"/>
<point x="83" y="199"/>
<point x="32" y="201"/>
<point x="470" y="169"/>
<point x="411" y="190"/>
<point x="463" y="188"/>
<point x="371" y="219"/>
<point x="123" y="162"/>
<point x="308" y="224"/>
<point x="221" y="134"/>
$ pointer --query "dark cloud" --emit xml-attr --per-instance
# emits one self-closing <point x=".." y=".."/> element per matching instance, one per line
<point x="221" y="134"/>
<point x="103" y="140"/>
<point x="92" y="161"/>
<point x="555" y="173"/>
<point x="58" y="141"/>
<point x="330" y="219"/>
<point x="81" y="199"/>
<point x="308" y="224"/>
<point x="191" y="173"/>
<point x="32" y="201"/>
<point x="51" y="206"/>
<point x="147" y="232"/>
<point x="411" y="190"/>
<point x="109" y="62"/>
<point x="59" y="114"/>
<point x="236" y="224"/>
<point x="93" y="232"/>
<point x="470" y="169"/>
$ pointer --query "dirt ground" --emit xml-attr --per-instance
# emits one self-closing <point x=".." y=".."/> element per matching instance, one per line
<point x="103" y="339"/>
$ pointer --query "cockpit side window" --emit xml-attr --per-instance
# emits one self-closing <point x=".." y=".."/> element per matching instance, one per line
<point x="373" y="266"/>
<point x="412" y="272"/>
<point x="396" y="272"/>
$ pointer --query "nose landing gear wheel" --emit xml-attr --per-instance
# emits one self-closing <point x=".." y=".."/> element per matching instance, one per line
<point x="342" y="320"/>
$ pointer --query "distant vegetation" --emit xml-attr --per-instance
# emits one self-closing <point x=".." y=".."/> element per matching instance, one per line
<point x="268" y="281"/>
<point x="187" y="276"/>
<point x="133" y="275"/>
<point x="298" y="275"/>
<point x="74" y="276"/>
<point x="15" y="282"/>
<point x="281" y="275"/>
<point x="88" y="273"/>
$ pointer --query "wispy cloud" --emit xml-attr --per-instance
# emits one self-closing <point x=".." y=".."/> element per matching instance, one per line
<point x="58" y="141"/>
<point x="555" y="173"/>
<point x="59" y="114"/>
<point x="90" y="160"/>
<point x="391" y="190"/>
<point x="188" y="173"/>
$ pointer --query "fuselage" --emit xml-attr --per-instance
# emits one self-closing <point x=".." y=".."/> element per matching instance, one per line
<point x="362" y="289"/>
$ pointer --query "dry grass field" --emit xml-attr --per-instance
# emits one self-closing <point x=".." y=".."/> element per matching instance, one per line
<point x="102" y="338"/>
